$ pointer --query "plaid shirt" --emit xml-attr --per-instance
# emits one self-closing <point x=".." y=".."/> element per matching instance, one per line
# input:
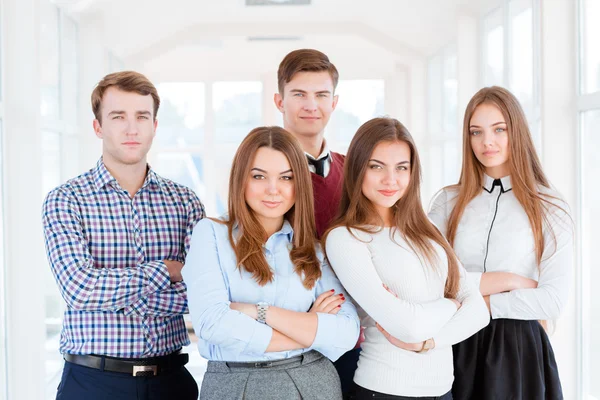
<point x="106" y="251"/>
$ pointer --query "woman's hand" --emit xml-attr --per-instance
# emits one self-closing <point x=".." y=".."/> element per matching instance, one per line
<point x="328" y="303"/>
<point x="399" y="343"/>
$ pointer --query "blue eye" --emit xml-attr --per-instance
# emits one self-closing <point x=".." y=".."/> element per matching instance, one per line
<point x="500" y="130"/>
<point x="475" y="133"/>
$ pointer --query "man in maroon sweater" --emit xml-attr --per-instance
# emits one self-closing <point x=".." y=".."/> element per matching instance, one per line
<point x="306" y="82"/>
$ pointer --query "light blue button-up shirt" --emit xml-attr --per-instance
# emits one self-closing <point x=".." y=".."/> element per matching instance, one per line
<point x="214" y="281"/>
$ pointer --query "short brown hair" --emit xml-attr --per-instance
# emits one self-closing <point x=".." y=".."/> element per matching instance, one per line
<point x="128" y="81"/>
<point x="304" y="60"/>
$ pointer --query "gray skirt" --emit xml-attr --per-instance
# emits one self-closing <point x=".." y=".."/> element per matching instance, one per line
<point x="309" y="376"/>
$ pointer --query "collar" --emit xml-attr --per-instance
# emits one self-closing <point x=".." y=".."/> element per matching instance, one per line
<point x="102" y="176"/>
<point x="286" y="229"/>
<point x="489" y="183"/>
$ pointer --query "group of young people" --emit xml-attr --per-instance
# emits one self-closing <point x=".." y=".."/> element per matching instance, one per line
<point x="326" y="279"/>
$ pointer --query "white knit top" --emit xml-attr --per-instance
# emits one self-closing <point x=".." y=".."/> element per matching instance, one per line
<point x="363" y="263"/>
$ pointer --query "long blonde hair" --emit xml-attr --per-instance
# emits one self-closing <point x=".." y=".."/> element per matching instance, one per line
<point x="357" y="212"/>
<point x="525" y="167"/>
<point x="248" y="246"/>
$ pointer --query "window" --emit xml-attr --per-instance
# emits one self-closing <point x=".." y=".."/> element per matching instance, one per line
<point x="238" y="109"/>
<point x="3" y="349"/>
<point x="509" y="57"/>
<point x="359" y="101"/>
<point x="59" y="108"/>
<point x="493" y="51"/>
<point x="590" y="219"/>
<point x="443" y="122"/>
<point x="590" y="32"/>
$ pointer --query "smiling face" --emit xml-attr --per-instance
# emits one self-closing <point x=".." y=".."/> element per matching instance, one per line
<point x="128" y="127"/>
<point x="270" y="189"/>
<point x="306" y="103"/>
<point x="387" y="176"/>
<point x="489" y="140"/>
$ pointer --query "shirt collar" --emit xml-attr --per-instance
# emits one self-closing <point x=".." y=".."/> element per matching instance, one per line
<point x="286" y="229"/>
<point x="504" y="183"/>
<point x="324" y="152"/>
<point x="102" y="176"/>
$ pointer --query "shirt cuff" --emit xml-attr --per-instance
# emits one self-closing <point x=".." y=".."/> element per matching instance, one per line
<point x="326" y="331"/>
<point x="157" y="276"/>
<point x="500" y="305"/>
<point x="260" y="339"/>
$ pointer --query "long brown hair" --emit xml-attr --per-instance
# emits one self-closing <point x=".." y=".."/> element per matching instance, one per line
<point x="525" y="168"/>
<point x="248" y="245"/>
<point x="357" y="212"/>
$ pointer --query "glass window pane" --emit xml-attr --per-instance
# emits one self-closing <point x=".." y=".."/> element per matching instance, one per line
<point x="521" y="48"/>
<point x="238" y="109"/>
<point x="435" y="97"/>
<point x="450" y="94"/>
<point x="181" y="114"/>
<point x="493" y="34"/>
<point x="54" y="304"/>
<point x="3" y="364"/>
<point x="69" y="70"/>
<point x="49" y="59"/>
<point x="590" y="220"/>
<point x="452" y="162"/>
<point x="590" y="48"/>
<point x="359" y="101"/>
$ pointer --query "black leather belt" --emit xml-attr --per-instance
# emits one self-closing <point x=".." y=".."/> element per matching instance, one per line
<point x="265" y="364"/>
<point x="133" y="366"/>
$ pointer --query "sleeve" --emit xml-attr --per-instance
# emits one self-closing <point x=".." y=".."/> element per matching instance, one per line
<point x="472" y="315"/>
<point x="336" y="334"/>
<point x="410" y="322"/>
<point x="173" y="300"/>
<point x="83" y="286"/>
<point x="208" y="297"/>
<point x="439" y="212"/>
<point x="547" y="300"/>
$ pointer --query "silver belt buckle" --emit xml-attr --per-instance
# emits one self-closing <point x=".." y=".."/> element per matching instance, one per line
<point x="144" y="368"/>
<point x="263" y="364"/>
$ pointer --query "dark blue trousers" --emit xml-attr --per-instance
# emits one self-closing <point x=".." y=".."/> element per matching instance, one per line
<point x="83" y="383"/>
<point x="346" y="367"/>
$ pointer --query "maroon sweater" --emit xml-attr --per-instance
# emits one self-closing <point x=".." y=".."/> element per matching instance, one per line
<point x="328" y="192"/>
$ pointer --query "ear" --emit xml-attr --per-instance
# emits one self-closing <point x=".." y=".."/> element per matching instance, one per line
<point x="98" y="129"/>
<point x="278" y="99"/>
<point x="335" y="101"/>
<point x="155" y="126"/>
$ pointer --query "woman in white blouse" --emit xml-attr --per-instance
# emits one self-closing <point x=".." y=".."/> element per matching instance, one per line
<point x="513" y="233"/>
<point x="400" y="270"/>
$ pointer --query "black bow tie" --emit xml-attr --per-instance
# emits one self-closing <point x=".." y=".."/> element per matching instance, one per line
<point x="319" y="165"/>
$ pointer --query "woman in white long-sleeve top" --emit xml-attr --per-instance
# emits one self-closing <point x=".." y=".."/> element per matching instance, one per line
<point x="268" y="310"/>
<point x="513" y="233"/>
<point x="400" y="270"/>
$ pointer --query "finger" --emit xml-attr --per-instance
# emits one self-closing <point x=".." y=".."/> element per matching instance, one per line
<point x="323" y="296"/>
<point x="333" y="305"/>
<point x="335" y="310"/>
<point x="331" y="299"/>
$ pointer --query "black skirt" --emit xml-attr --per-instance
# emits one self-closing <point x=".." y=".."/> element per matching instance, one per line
<point x="507" y="360"/>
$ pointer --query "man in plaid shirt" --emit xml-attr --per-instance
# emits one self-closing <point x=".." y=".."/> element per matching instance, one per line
<point x="117" y="237"/>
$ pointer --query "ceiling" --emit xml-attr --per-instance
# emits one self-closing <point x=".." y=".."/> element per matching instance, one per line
<point x="182" y="38"/>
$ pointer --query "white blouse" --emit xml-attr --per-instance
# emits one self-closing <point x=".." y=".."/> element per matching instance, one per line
<point x="494" y="234"/>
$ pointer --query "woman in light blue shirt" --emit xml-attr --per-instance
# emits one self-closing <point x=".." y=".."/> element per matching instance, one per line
<point x="265" y="305"/>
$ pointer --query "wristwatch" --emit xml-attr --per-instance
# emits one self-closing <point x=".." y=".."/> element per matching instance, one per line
<point x="427" y="345"/>
<point x="261" y="308"/>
